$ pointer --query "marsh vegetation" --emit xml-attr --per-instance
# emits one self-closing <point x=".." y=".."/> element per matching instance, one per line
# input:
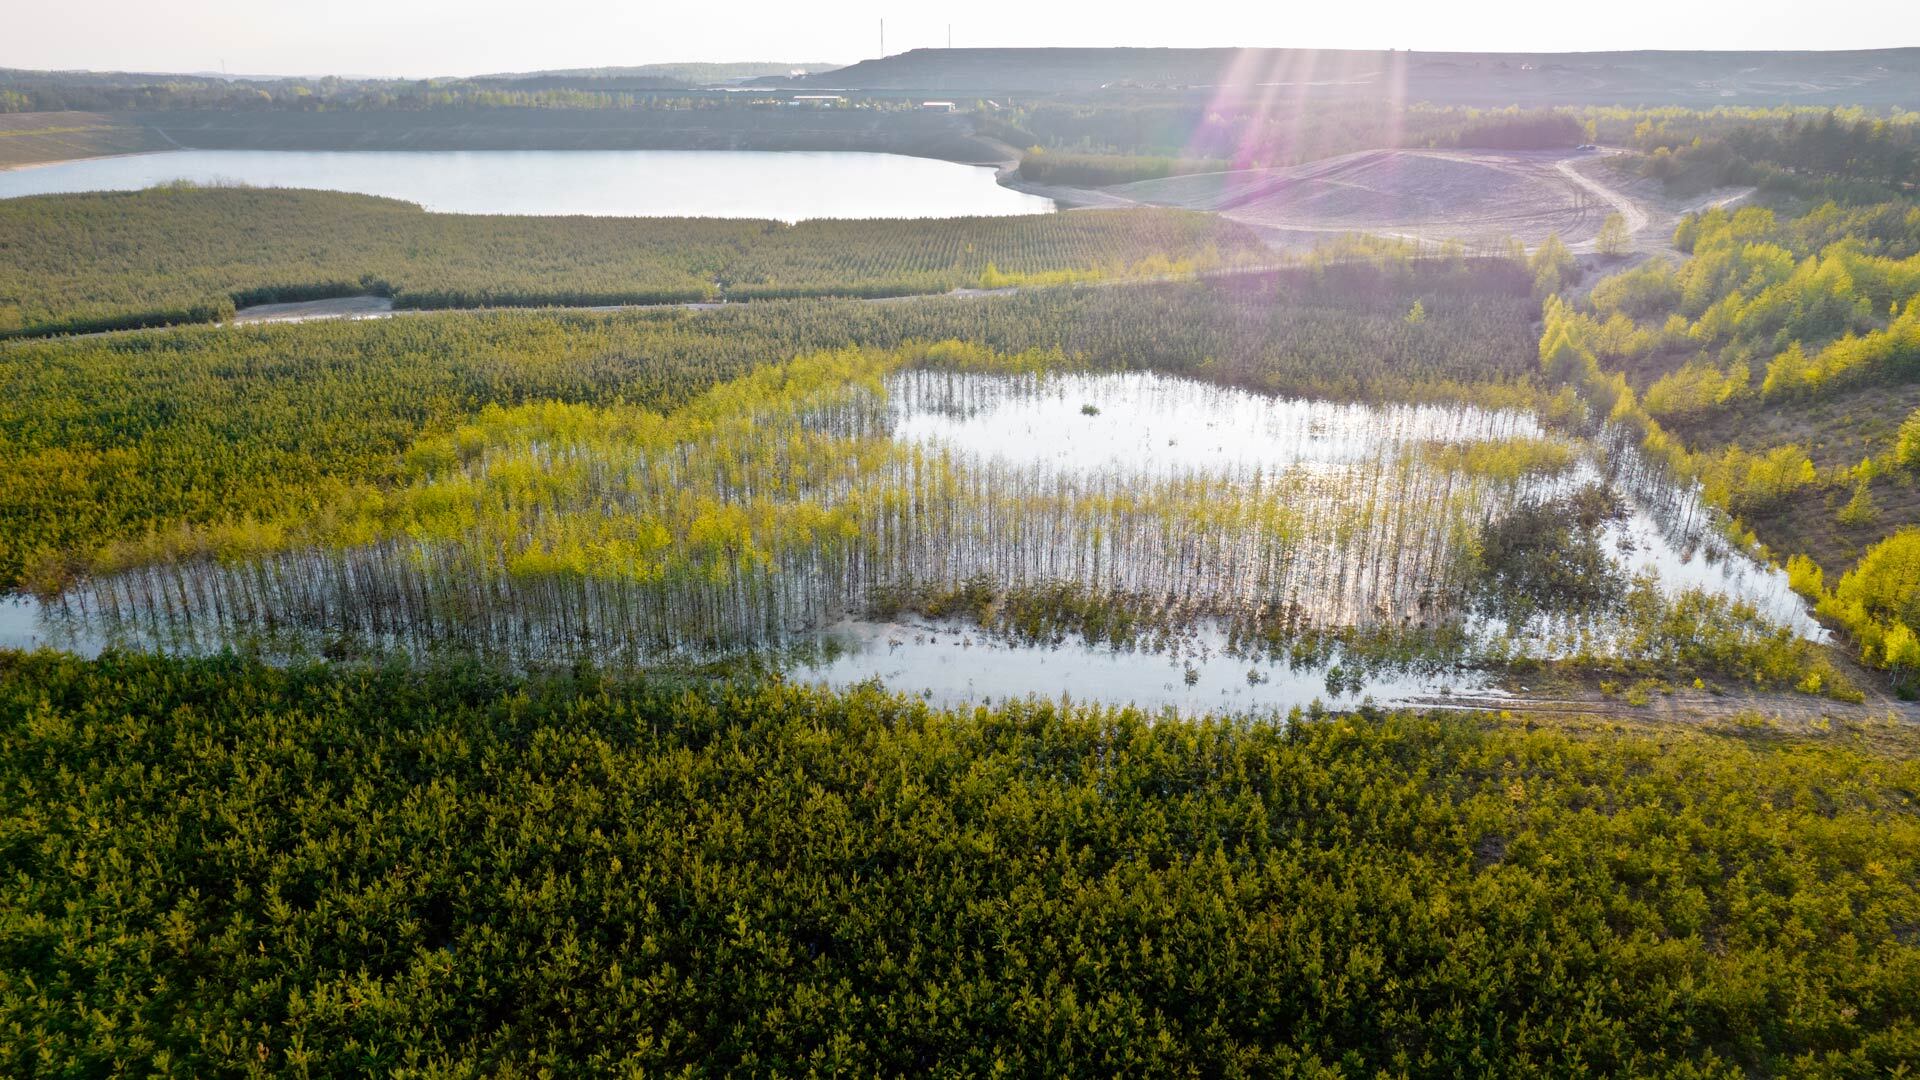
<point x="947" y="481"/>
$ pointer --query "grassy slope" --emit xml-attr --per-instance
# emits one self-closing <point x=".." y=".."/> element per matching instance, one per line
<point x="1837" y="431"/>
<point x="32" y="138"/>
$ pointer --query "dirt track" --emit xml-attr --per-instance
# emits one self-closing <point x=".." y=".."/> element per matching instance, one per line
<point x="1476" y="198"/>
<point x="1693" y="707"/>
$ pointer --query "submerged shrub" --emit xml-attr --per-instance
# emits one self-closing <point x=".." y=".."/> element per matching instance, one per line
<point x="1546" y="554"/>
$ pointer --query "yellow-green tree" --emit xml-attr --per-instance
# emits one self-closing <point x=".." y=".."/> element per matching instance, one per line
<point x="1613" y="240"/>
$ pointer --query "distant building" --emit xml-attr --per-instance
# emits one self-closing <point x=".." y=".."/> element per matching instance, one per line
<point x="818" y="101"/>
<point x="939" y="106"/>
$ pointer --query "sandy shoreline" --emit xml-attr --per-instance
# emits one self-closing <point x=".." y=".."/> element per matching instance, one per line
<point x="91" y="157"/>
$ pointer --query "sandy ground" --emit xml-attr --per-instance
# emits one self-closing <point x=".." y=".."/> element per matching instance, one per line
<point x="1416" y="194"/>
<point x="1007" y="174"/>
<point x="70" y="160"/>
<point x="1695" y="706"/>
<point x="1472" y="197"/>
<point x="1660" y="211"/>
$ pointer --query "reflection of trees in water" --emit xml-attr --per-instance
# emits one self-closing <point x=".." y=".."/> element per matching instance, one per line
<point x="550" y="532"/>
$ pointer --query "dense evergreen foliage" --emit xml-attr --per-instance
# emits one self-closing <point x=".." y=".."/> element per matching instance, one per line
<point x="214" y="868"/>
<point x="1095" y="170"/>
<point x="188" y="254"/>
<point x="1794" y="151"/>
<point x="1547" y="553"/>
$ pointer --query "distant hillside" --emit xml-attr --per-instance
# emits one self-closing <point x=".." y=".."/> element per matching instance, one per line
<point x="691" y="74"/>
<point x="25" y="90"/>
<point x="1867" y="77"/>
<point x="29" y="138"/>
<point x="736" y="128"/>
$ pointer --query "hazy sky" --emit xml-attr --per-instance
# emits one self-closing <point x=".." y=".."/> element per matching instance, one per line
<point x="461" y="37"/>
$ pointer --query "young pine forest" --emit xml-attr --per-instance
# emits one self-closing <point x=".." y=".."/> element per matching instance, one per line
<point x="186" y="254"/>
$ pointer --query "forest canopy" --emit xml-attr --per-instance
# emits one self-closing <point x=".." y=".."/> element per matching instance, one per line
<point x="191" y="254"/>
<point x="219" y="868"/>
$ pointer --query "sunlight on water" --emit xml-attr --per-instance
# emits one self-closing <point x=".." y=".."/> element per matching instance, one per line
<point x="1164" y="425"/>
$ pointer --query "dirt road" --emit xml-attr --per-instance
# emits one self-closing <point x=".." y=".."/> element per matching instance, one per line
<point x="1478" y="198"/>
<point x="1630" y="211"/>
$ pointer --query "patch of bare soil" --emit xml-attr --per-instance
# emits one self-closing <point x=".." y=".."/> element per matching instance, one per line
<point x="1809" y="524"/>
<point x="1661" y="209"/>
<point x="1440" y="195"/>
<point x="44" y="138"/>
<point x="1837" y="429"/>
<point x="1836" y="432"/>
<point x="1735" y="707"/>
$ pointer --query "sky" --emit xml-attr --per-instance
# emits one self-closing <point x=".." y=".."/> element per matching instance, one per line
<point x="417" y="38"/>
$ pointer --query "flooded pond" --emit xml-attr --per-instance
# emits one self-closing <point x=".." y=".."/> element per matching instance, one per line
<point x="944" y="662"/>
<point x="785" y="186"/>
<point x="966" y="536"/>
<point x="1163" y="425"/>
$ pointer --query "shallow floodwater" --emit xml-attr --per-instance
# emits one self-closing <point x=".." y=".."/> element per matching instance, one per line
<point x="947" y="663"/>
<point x="1162" y="425"/>
<point x="1033" y="445"/>
<point x="785" y="186"/>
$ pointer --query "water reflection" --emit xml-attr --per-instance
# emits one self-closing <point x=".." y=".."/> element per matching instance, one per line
<point x="1033" y="480"/>
<point x="783" y="186"/>
<point x="951" y="663"/>
<point x="1164" y="425"/>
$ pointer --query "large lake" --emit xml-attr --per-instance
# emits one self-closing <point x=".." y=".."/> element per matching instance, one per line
<point x="788" y="186"/>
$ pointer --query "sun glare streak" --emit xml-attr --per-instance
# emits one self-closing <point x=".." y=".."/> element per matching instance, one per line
<point x="1396" y="96"/>
<point x="1239" y="71"/>
<point x="1297" y="110"/>
<point x="1257" y="112"/>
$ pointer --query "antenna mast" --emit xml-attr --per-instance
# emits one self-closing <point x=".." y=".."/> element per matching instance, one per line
<point x="883" y="38"/>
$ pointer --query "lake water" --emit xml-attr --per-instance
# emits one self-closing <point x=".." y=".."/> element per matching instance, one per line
<point x="787" y="186"/>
